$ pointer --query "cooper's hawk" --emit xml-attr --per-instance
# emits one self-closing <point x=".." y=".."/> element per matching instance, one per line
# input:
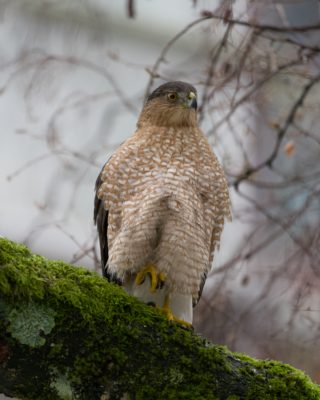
<point x="160" y="205"/>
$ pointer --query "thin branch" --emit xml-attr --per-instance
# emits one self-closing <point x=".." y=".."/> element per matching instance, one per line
<point x="154" y="70"/>
<point x="131" y="9"/>
<point x="261" y="27"/>
<point x="281" y="133"/>
<point x="210" y="74"/>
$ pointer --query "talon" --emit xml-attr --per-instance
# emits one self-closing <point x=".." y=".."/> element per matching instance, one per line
<point x="157" y="280"/>
<point x="183" y="323"/>
<point x="161" y="280"/>
<point x="167" y="313"/>
<point x="139" y="278"/>
<point x="165" y="310"/>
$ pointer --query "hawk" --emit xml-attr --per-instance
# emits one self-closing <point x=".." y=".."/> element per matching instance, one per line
<point x="160" y="205"/>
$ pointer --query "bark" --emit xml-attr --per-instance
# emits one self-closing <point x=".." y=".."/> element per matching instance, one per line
<point x="66" y="333"/>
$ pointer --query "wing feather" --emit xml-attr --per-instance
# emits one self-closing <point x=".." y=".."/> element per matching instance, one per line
<point x="100" y="217"/>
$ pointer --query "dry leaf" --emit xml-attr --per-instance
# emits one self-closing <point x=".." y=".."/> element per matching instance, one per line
<point x="290" y="148"/>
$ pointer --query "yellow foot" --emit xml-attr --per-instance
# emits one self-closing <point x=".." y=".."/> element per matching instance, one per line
<point x="157" y="279"/>
<point x="165" y="310"/>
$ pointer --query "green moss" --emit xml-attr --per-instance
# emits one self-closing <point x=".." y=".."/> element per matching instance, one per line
<point x="88" y="338"/>
<point x="280" y="379"/>
<point x="16" y="257"/>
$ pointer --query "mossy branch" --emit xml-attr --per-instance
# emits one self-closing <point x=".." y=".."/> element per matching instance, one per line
<point x="66" y="333"/>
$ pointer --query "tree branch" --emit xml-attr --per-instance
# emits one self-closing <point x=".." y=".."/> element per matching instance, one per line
<point x="261" y="27"/>
<point x="67" y="333"/>
<point x="281" y="133"/>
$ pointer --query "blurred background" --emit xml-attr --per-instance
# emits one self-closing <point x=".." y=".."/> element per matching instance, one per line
<point x="73" y="78"/>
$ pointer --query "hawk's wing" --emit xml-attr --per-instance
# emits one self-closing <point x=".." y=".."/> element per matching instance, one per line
<point x="100" y="216"/>
<point x="203" y="281"/>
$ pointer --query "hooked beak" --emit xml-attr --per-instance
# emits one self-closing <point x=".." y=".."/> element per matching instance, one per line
<point x="191" y="101"/>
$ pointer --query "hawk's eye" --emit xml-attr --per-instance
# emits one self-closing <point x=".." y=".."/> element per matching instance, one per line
<point x="172" y="96"/>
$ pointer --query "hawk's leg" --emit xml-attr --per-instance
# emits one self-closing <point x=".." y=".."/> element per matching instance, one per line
<point x="163" y="298"/>
<point x="165" y="309"/>
<point x="157" y="279"/>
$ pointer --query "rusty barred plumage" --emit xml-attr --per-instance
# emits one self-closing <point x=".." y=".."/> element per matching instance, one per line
<point x="160" y="206"/>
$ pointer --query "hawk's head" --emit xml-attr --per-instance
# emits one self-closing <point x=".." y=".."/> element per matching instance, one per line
<point x="171" y="104"/>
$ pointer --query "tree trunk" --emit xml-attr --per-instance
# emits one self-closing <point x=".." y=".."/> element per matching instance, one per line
<point x="66" y="333"/>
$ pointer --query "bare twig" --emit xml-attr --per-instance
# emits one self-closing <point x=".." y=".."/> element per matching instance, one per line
<point x="282" y="131"/>
<point x="130" y="9"/>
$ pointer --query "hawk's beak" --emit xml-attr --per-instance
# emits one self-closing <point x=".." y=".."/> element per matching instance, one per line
<point x="192" y="100"/>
